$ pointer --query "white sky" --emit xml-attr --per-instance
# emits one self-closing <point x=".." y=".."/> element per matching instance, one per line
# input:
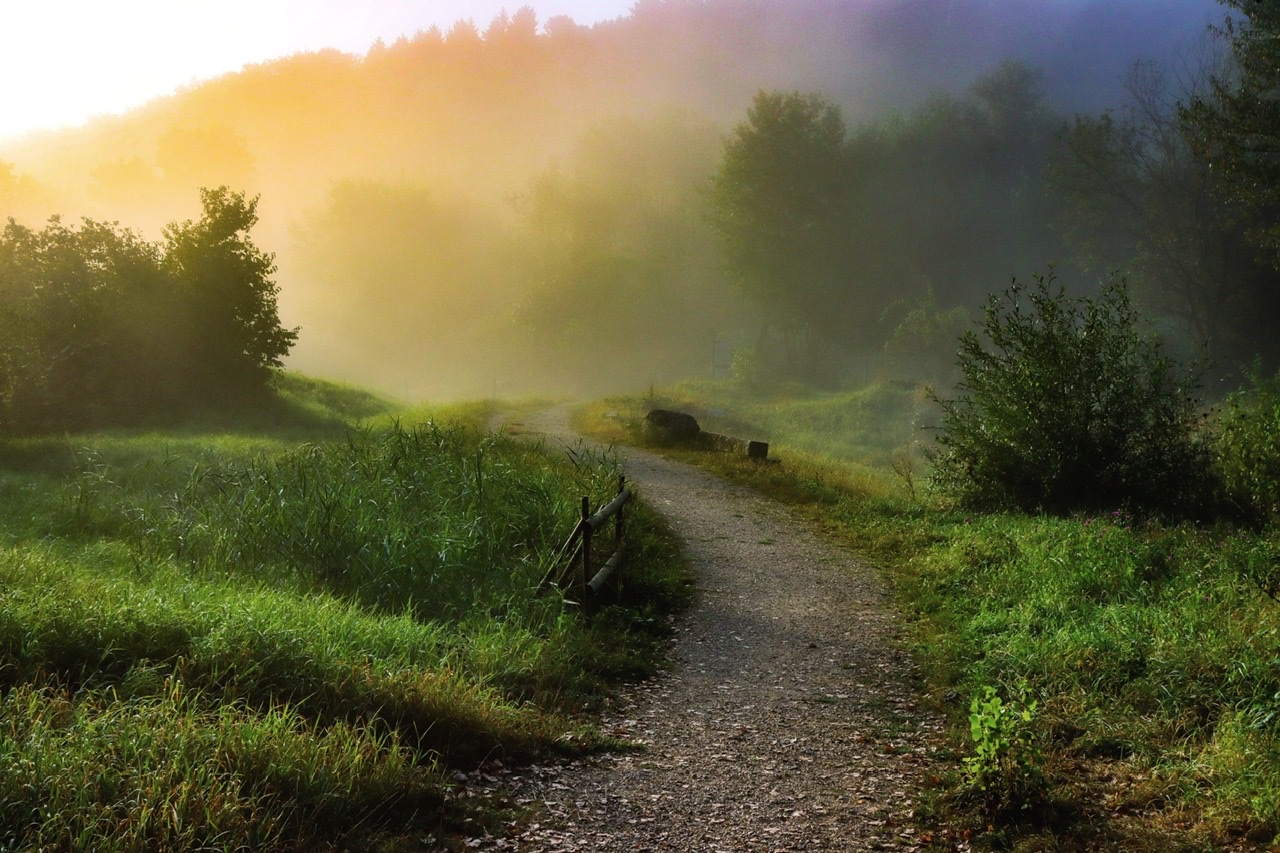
<point x="65" y="61"/>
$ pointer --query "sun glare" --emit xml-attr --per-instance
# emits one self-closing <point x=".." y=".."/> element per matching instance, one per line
<point x="63" y="62"/>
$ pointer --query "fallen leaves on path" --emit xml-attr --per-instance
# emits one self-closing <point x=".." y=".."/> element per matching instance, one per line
<point x="790" y="719"/>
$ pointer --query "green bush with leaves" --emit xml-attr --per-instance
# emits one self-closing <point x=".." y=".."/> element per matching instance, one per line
<point x="1248" y="448"/>
<point x="100" y="327"/>
<point x="1067" y="405"/>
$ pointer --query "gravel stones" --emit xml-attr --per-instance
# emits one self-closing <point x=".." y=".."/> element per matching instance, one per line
<point x="790" y="719"/>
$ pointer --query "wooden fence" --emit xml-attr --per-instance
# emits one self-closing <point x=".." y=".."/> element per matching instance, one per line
<point x="576" y="571"/>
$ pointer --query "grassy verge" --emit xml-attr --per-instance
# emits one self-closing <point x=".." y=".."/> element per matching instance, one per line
<point x="288" y="635"/>
<point x="1112" y="684"/>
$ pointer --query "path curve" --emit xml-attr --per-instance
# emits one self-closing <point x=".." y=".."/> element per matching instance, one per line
<point x="790" y="719"/>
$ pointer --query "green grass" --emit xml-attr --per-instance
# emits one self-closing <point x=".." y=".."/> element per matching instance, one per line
<point x="289" y="634"/>
<point x="870" y="425"/>
<point x="1150" y="650"/>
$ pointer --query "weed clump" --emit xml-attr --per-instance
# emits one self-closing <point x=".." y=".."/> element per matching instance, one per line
<point x="1006" y="768"/>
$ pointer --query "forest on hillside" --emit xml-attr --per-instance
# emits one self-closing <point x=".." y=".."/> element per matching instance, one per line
<point x="493" y="210"/>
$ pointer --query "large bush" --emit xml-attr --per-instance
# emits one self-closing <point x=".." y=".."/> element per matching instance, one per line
<point x="1066" y="404"/>
<point x="100" y="327"/>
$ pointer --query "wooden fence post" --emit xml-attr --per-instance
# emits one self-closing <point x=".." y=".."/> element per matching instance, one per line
<point x="618" y="532"/>
<point x="586" y="544"/>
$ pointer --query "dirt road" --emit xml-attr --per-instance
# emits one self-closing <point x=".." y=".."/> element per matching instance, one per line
<point x="789" y="719"/>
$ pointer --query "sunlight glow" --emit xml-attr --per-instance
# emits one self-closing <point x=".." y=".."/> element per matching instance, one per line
<point x="63" y="62"/>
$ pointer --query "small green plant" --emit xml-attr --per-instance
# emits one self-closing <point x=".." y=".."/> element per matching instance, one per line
<point x="1068" y="406"/>
<point x="1006" y="765"/>
<point x="904" y="466"/>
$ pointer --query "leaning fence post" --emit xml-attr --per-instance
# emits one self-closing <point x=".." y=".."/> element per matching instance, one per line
<point x="618" y="532"/>
<point x="586" y="544"/>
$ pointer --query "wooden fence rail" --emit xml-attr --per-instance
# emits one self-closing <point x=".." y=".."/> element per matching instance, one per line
<point x="576" y="572"/>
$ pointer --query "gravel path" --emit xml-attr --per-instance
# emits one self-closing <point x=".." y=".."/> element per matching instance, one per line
<point x="789" y="720"/>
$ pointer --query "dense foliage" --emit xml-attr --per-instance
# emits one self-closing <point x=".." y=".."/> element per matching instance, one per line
<point x="1067" y="405"/>
<point x="1140" y="195"/>
<point x="100" y="326"/>
<point x="1248" y="448"/>
<point x="782" y="202"/>
<point x="1235" y="124"/>
<point x="833" y="231"/>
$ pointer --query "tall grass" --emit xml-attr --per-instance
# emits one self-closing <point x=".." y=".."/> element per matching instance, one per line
<point x="90" y="771"/>
<point x="231" y="639"/>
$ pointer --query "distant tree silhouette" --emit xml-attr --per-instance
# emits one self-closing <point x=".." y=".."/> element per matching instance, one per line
<point x="827" y="229"/>
<point x="781" y="207"/>
<point x="1137" y="195"/>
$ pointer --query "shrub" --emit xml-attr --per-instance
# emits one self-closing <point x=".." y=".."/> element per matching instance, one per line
<point x="1067" y="405"/>
<point x="1248" y="448"/>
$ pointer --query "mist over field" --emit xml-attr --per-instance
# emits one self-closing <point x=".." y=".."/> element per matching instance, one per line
<point x="529" y="206"/>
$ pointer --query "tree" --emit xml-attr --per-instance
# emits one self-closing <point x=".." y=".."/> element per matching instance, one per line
<point x="781" y="207"/>
<point x="828" y="229"/>
<point x="1138" y="197"/>
<point x="98" y="326"/>
<point x="1235" y="125"/>
<point x="235" y="338"/>
<point x="90" y="326"/>
<point x="619" y="249"/>
<point x="953" y="192"/>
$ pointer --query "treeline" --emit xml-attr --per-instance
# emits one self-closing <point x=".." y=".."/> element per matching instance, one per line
<point x="98" y="326"/>
<point x="854" y="240"/>
<point x="842" y="233"/>
<point x="486" y="209"/>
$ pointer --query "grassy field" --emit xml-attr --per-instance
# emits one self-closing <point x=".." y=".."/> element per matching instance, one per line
<point x="1113" y="683"/>
<point x="289" y="629"/>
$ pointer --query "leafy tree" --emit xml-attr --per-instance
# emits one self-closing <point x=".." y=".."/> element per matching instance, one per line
<point x="619" y="249"/>
<point x="1236" y="124"/>
<point x="98" y="326"/>
<point x="1066" y="405"/>
<point x="234" y="335"/>
<point x="972" y="171"/>
<point x="1137" y="197"/>
<point x="829" y="229"/>
<point x="781" y="207"/>
<point x="953" y="193"/>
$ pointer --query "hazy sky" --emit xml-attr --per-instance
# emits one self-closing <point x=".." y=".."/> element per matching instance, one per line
<point x="64" y="61"/>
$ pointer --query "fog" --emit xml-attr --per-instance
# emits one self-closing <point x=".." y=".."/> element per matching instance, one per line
<point x="524" y="206"/>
